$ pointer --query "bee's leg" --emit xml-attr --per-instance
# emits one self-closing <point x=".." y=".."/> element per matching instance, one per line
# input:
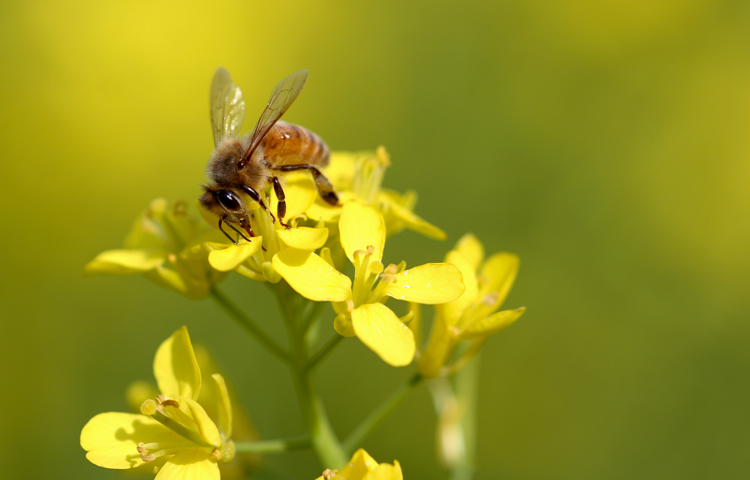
<point x="281" y="209"/>
<point x="255" y="196"/>
<point x="325" y="189"/>
<point x="223" y="220"/>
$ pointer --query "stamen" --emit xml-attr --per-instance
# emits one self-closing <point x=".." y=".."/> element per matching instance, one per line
<point x="391" y="270"/>
<point x="387" y="277"/>
<point x="370" y="250"/>
<point x="164" y="401"/>
<point x="350" y="305"/>
<point x="216" y="454"/>
<point x="328" y="473"/>
<point x="358" y="253"/>
<point x="144" y="448"/>
<point x="172" y="257"/>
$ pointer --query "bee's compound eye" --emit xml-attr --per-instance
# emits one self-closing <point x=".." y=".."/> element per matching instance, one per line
<point x="229" y="200"/>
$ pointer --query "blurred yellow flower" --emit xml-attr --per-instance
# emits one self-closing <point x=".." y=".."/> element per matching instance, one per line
<point x="253" y="258"/>
<point x="473" y="316"/>
<point x="359" y="176"/>
<point x="164" y="245"/>
<point x="360" y="304"/>
<point x="363" y="467"/>
<point x="173" y="432"/>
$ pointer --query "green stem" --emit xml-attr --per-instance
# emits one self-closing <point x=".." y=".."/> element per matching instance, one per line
<point x="467" y="383"/>
<point x="324" y="351"/>
<point x="354" y="440"/>
<point x="322" y="437"/>
<point x="273" y="446"/>
<point x="252" y="327"/>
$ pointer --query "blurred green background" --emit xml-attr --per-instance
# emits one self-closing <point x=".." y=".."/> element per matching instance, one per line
<point x="606" y="143"/>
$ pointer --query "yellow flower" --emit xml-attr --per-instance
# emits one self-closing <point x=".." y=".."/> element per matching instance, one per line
<point x="173" y="431"/>
<point x="253" y="258"/>
<point x="164" y="245"/>
<point x="363" y="467"/>
<point x="358" y="176"/>
<point x="473" y="316"/>
<point x="360" y="304"/>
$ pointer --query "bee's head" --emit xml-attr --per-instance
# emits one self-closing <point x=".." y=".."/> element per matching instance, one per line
<point x="225" y="203"/>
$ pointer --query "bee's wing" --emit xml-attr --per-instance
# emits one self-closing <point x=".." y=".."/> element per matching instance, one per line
<point x="283" y="95"/>
<point x="227" y="106"/>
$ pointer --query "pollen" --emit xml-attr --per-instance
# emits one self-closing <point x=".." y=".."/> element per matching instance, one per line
<point x="491" y="298"/>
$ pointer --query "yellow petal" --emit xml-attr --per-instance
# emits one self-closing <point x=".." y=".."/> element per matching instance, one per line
<point x="300" y="193"/>
<point x="361" y="226"/>
<point x="312" y="277"/>
<point x="206" y="427"/>
<point x="125" y="262"/>
<point x="452" y="311"/>
<point x="499" y="273"/>
<point x="494" y="323"/>
<point x="224" y="405"/>
<point x="400" y="216"/>
<point x="380" y="329"/>
<point x="385" y="471"/>
<point x="229" y="258"/>
<point x="111" y="438"/>
<point x="439" y="348"/>
<point x="321" y="210"/>
<point x="360" y="464"/>
<point x="175" y="367"/>
<point x="192" y="464"/>
<point x="304" y="238"/>
<point x="428" y="284"/>
<point x="471" y="249"/>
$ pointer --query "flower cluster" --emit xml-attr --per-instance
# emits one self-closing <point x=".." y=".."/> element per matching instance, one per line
<point x="324" y="253"/>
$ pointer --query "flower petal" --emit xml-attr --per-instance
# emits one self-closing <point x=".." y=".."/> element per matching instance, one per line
<point x="452" y="311"/>
<point x="191" y="464"/>
<point x="471" y="249"/>
<point x="400" y="216"/>
<point x="223" y="405"/>
<point x="361" y="226"/>
<point x="385" y="471"/>
<point x="360" y="464"/>
<point x="494" y="323"/>
<point x="126" y="262"/>
<point x="495" y="279"/>
<point x="428" y="284"/>
<point x="111" y="438"/>
<point x="439" y="348"/>
<point x="206" y="427"/>
<point x="175" y="367"/>
<point x="312" y="277"/>
<point x="300" y="193"/>
<point x="229" y="258"/>
<point x="303" y="238"/>
<point x="380" y="329"/>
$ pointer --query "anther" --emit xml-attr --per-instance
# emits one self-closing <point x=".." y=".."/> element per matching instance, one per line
<point x="216" y="454"/>
<point x="172" y="257"/>
<point x="390" y="270"/>
<point x="164" y="401"/>
<point x="143" y="449"/>
<point x="328" y="473"/>
<point x="370" y="250"/>
<point x="350" y="305"/>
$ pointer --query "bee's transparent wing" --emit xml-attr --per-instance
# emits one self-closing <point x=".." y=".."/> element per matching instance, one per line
<point x="227" y="106"/>
<point x="283" y="95"/>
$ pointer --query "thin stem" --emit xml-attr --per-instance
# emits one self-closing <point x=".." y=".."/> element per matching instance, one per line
<point x="243" y="319"/>
<point x="369" y="424"/>
<point x="273" y="446"/>
<point x="322" y="437"/>
<point x="324" y="351"/>
<point x="467" y="383"/>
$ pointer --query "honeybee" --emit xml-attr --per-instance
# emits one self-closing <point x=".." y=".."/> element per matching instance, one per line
<point x="246" y="165"/>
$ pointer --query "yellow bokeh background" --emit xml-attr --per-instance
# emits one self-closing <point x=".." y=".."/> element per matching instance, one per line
<point x="606" y="143"/>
